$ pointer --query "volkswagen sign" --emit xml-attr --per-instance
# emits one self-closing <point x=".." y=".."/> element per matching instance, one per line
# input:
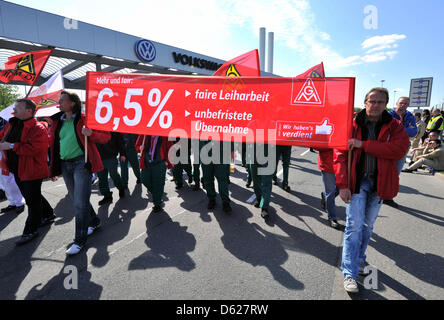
<point x="145" y="50"/>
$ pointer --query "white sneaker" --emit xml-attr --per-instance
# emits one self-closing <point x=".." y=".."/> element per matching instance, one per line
<point x="74" y="249"/>
<point x="350" y="285"/>
<point x="92" y="229"/>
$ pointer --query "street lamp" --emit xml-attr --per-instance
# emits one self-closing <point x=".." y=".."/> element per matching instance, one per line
<point x="394" y="98"/>
<point x="382" y="83"/>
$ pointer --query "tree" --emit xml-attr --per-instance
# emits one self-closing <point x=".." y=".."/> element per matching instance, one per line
<point x="8" y="94"/>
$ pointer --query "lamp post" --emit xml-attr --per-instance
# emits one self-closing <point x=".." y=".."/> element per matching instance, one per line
<point x="382" y="83"/>
<point x="394" y="98"/>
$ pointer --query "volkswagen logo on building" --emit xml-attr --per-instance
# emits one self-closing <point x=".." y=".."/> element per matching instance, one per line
<point x="145" y="50"/>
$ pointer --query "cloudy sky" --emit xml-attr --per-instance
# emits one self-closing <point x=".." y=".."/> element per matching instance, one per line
<point x="376" y="40"/>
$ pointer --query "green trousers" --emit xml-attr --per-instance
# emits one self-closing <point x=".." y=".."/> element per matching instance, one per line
<point x="153" y="178"/>
<point x="220" y="172"/>
<point x="131" y="157"/>
<point x="110" y="166"/>
<point x="285" y="151"/>
<point x="262" y="185"/>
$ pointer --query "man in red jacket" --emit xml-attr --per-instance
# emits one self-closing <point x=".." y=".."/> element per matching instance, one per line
<point x="26" y="144"/>
<point x="379" y="141"/>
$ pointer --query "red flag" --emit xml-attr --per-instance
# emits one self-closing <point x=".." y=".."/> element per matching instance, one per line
<point x="244" y="65"/>
<point x="315" y="72"/>
<point x="25" y="67"/>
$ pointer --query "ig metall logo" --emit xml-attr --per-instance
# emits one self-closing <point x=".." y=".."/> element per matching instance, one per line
<point x="145" y="50"/>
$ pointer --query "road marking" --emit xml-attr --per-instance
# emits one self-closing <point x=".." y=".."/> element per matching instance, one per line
<point x="305" y="152"/>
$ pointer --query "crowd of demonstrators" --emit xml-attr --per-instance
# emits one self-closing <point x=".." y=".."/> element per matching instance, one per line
<point x="436" y="123"/>
<point x="180" y="166"/>
<point x="331" y="191"/>
<point x="153" y="163"/>
<point x="74" y="155"/>
<point x="108" y="154"/>
<point x="424" y="148"/>
<point x="378" y="143"/>
<point x="218" y="167"/>
<point x="377" y="149"/>
<point x="261" y="176"/>
<point x="433" y="157"/>
<point x="131" y="157"/>
<point x="285" y="152"/>
<point x="417" y="139"/>
<point x="25" y="141"/>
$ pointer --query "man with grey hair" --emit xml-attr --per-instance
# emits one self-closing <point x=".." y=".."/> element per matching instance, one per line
<point x="378" y="142"/>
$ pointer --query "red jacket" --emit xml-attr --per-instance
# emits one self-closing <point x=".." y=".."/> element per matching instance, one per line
<point x="94" y="160"/>
<point x="325" y="160"/>
<point x="32" y="150"/>
<point x="391" y="145"/>
<point x="164" y="149"/>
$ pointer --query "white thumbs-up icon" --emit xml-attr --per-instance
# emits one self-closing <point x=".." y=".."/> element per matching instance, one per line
<point x="323" y="128"/>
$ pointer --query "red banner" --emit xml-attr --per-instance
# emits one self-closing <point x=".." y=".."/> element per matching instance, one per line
<point x="242" y="66"/>
<point x="25" y="67"/>
<point x="285" y="111"/>
<point x="314" y="72"/>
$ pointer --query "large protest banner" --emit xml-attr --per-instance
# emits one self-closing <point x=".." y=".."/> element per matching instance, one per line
<point x="286" y="111"/>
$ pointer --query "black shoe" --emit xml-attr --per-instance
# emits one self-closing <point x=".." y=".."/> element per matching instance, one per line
<point x="157" y="208"/>
<point x="275" y="181"/>
<point x="190" y="179"/>
<point x="138" y="181"/>
<point x="248" y="184"/>
<point x="8" y="208"/>
<point x="2" y="195"/>
<point x="407" y="170"/>
<point x="257" y="203"/>
<point x="226" y="207"/>
<point x="179" y="186"/>
<point x="26" y="238"/>
<point x="122" y="193"/>
<point x="391" y="203"/>
<point x="334" y="224"/>
<point x="286" y="187"/>
<point x="322" y="201"/>
<point x="48" y="220"/>
<point x="106" y="200"/>
<point x="196" y="187"/>
<point x="264" y="213"/>
<point x="211" y="204"/>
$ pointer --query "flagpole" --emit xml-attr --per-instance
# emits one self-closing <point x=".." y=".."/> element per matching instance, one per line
<point x="29" y="91"/>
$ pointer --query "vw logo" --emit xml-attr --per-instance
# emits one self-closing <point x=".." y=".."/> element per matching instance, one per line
<point x="145" y="50"/>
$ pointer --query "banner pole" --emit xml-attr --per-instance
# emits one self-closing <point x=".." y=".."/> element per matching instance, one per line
<point x="86" y="149"/>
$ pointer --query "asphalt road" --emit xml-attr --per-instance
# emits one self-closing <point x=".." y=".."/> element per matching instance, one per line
<point x="189" y="253"/>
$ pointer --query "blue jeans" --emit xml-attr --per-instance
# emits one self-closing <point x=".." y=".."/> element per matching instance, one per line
<point x="330" y="193"/>
<point x="362" y="212"/>
<point x="400" y="164"/>
<point x="78" y="183"/>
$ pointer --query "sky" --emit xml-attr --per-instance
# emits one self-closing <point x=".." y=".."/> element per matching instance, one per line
<point x="371" y="40"/>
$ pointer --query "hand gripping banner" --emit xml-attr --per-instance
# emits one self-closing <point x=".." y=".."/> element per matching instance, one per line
<point x="285" y="111"/>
